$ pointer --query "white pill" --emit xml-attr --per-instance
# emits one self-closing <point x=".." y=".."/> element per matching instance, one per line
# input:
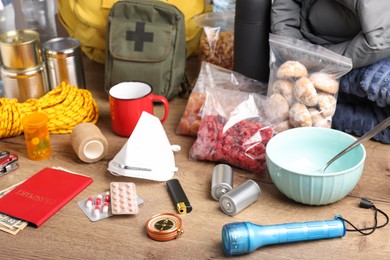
<point x="175" y="148"/>
<point x="105" y="207"/>
<point x="88" y="204"/>
<point x="96" y="211"/>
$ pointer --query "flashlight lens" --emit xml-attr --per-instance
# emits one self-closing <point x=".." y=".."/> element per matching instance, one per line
<point x="235" y="239"/>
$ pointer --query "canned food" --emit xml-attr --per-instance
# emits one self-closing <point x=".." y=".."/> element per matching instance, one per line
<point x="24" y="84"/>
<point x="20" y="49"/>
<point x="63" y="62"/>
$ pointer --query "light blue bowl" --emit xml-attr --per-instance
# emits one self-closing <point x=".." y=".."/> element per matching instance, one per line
<point x="295" y="156"/>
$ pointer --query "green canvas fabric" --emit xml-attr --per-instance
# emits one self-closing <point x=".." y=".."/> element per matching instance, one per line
<point x="145" y="42"/>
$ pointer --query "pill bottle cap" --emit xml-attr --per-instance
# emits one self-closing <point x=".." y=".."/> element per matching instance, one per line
<point x="35" y="120"/>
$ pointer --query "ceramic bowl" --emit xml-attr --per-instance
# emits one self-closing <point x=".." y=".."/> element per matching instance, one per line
<point x="295" y="157"/>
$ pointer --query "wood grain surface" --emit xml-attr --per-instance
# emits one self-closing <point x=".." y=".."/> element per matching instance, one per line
<point x="70" y="235"/>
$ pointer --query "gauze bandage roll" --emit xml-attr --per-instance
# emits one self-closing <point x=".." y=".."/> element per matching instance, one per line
<point x="88" y="142"/>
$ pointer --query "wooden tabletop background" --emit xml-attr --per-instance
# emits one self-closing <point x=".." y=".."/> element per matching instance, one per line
<point x="70" y="235"/>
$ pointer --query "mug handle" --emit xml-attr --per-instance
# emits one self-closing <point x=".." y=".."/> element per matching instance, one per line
<point x="164" y="101"/>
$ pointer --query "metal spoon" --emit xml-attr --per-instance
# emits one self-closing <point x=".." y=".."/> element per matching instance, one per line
<point x="378" y="128"/>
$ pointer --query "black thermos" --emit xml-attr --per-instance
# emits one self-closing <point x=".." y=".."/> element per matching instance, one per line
<point x="251" y="34"/>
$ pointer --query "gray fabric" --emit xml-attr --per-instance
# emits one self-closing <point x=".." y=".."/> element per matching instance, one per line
<point x="341" y="23"/>
<point x="358" y="29"/>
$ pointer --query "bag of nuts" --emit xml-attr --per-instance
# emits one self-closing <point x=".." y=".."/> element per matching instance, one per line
<point x="217" y="41"/>
<point x="213" y="76"/>
<point x="303" y="83"/>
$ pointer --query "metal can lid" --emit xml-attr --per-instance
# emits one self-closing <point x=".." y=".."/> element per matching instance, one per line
<point x="20" y="49"/>
<point x="19" y="37"/>
<point x="61" y="45"/>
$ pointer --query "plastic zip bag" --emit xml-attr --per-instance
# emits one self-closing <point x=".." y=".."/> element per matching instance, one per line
<point x="303" y="83"/>
<point x="217" y="41"/>
<point x="213" y="76"/>
<point x="233" y="130"/>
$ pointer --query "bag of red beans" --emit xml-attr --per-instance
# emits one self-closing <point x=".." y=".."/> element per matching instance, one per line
<point x="233" y="130"/>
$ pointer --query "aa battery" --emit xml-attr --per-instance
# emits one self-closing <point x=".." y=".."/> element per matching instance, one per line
<point x="222" y="180"/>
<point x="240" y="197"/>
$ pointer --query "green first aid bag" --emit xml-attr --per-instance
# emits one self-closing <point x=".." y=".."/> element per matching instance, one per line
<point x="145" y="41"/>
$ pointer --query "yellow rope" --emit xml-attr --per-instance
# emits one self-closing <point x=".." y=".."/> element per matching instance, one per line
<point x="66" y="106"/>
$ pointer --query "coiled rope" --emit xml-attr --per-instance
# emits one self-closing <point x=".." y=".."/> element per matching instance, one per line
<point x="66" y="106"/>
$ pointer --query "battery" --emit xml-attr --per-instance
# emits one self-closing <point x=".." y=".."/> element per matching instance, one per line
<point x="222" y="180"/>
<point x="63" y="62"/>
<point x="240" y="197"/>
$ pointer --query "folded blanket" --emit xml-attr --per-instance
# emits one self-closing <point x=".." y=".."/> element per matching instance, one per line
<point x="371" y="82"/>
<point x="350" y="81"/>
<point x="357" y="115"/>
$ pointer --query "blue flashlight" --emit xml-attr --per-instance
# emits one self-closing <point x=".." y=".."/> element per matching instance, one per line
<point x="244" y="237"/>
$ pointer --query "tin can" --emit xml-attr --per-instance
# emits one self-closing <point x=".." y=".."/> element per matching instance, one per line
<point x="20" y="49"/>
<point x="24" y="84"/>
<point x="63" y="62"/>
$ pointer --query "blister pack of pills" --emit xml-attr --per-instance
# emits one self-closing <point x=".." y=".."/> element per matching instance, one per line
<point x="99" y="206"/>
<point x="123" y="198"/>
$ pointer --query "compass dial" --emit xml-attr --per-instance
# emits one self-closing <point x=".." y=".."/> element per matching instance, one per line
<point x="164" y="227"/>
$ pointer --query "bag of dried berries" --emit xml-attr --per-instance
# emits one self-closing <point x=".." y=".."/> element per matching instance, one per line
<point x="233" y="130"/>
<point x="213" y="76"/>
<point x="217" y="41"/>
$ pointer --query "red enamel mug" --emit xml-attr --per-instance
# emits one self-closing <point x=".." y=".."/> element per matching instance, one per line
<point x="127" y="102"/>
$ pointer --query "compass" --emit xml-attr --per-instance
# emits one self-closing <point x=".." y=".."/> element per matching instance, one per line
<point x="164" y="227"/>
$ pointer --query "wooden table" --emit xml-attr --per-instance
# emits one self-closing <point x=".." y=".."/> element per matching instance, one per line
<point x="70" y="235"/>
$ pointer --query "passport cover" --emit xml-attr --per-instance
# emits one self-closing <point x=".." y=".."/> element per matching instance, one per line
<point x="43" y="194"/>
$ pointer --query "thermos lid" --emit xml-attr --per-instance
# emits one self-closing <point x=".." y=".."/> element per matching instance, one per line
<point x="253" y="11"/>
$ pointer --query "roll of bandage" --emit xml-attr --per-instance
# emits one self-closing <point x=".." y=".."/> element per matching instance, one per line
<point x="88" y="142"/>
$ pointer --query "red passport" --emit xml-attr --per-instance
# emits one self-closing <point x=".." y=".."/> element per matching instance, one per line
<point x="43" y="194"/>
